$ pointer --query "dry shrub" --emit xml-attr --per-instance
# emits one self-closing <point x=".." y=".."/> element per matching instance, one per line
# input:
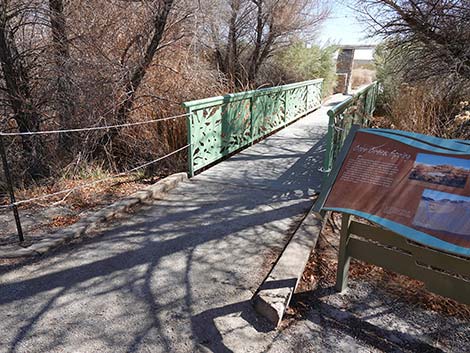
<point x="108" y="41"/>
<point x="461" y="127"/>
<point x="419" y="109"/>
<point x="178" y="75"/>
<point x="320" y="272"/>
<point x="361" y="77"/>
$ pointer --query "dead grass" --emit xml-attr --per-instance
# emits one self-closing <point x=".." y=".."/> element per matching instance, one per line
<point x="76" y="203"/>
<point x="86" y="198"/>
<point x="63" y="221"/>
<point x="361" y="77"/>
<point x="418" y="109"/>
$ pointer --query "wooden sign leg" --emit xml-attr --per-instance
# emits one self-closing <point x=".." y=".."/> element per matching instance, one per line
<point x="343" y="256"/>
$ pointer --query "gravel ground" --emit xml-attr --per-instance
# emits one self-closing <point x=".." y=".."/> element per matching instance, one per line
<point x="379" y="312"/>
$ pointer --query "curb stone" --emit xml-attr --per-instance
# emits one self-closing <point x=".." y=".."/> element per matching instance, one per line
<point x="274" y="295"/>
<point x="77" y="230"/>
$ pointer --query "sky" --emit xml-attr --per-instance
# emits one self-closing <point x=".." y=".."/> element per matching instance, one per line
<point x="343" y="27"/>
<point x="438" y="195"/>
<point x="432" y="159"/>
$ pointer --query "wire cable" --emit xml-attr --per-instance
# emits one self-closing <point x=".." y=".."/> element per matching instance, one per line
<point x="48" y="132"/>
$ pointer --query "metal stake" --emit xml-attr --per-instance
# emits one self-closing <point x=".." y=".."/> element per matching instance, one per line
<point x="6" y="169"/>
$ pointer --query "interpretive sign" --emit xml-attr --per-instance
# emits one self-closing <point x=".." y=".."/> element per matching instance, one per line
<point x="414" y="185"/>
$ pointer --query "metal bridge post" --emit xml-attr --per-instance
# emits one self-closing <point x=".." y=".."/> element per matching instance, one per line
<point x="286" y="106"/>
<point x="306" y="97"/>
<point x="190" y="143"/>
<point x="252" y="122"/>
<point x="329" y="155"/>
<point x="8" y="178"/>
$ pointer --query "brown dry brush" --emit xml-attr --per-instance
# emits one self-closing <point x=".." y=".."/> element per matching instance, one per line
<point x="361" y="77"/>
<point x="424" y="63"/>
<point x="419" y="109"/>
<point x="72" y="64"/>
<point x="80" y="64"/>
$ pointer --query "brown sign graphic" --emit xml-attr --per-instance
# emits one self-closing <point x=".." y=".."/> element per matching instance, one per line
<point x="420" y="189"/>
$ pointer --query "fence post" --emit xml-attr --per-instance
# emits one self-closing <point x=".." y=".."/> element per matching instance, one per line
<point x="6" y="170"/>
<point x="327" y="163"/>
<point x="306" y="97"/>
<point x="286" y="106"/>
<point x="318" y="95"/>
<point x="252" y="121"/>
<point x="190" y="143"/>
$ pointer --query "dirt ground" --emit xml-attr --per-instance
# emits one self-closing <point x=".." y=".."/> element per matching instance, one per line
<point x="46" y="216"/>
<point x="381" y="311"/>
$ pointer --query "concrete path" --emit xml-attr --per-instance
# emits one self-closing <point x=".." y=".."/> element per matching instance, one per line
<point x="179" y="275"/>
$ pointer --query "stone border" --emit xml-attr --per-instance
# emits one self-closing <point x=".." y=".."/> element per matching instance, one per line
<point x="82" y="227"/>
<point x="275" y="293"/>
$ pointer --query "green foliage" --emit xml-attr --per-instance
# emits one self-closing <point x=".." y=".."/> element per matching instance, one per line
<point x="386" y="75"/>
<point x="389" y="60"/>
<point x="300" y="63"/>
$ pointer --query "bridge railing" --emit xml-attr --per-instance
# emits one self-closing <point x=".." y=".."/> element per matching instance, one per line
<point x="219" y="126"/>
<point x="357" y="109"/>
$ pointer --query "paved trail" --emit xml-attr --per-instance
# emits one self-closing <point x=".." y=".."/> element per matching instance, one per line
<point x="178" y="276"/>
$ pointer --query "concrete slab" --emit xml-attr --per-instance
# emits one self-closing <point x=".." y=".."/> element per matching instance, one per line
<point x="274" y="295"/>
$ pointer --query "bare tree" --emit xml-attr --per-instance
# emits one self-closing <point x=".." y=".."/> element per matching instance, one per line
<point x="136" y="74"/>
<point x="244" y="33"/>
<point x="424" y="62"/>
<point x="17" y="84"/>
<point x="61" y="52"/>
<point x="434" y="34"/>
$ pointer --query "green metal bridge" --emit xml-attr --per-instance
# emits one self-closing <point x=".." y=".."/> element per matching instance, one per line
<point x="220" y="126"/>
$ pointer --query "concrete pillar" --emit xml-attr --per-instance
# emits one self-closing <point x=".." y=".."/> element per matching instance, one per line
<point x="344" y="67"/>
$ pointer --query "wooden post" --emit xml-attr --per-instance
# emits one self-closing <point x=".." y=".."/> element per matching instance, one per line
<point x="343" y="256"/>
<point x="6" y="169"/>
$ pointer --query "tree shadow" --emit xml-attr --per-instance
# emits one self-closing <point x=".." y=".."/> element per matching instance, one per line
<point x="354" y="321"/>
<point x="151" y="271"/>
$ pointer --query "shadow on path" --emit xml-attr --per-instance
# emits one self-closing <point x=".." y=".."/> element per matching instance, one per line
<point x="160" y="279"/>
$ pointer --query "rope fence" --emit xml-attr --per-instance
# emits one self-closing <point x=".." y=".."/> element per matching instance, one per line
<point x="107" y="127"/>
<point x="14" y="204"/>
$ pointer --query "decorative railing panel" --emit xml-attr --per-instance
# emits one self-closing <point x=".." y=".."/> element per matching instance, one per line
<point x="296" y="102"/>
<point x="357" y="109"/>
<point x="314" y="97"/>
<point x="269" y="113"/>
<point x="219" y="126"/>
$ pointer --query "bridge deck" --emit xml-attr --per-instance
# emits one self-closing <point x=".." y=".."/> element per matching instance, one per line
<point x="178" y="275"/>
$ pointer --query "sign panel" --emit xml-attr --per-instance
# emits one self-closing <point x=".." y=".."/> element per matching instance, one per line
<point x="414" y="186"/>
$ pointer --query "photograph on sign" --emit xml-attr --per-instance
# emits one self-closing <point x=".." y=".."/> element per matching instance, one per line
<point x="444" y="212"/>
<point x="441" y="170"/>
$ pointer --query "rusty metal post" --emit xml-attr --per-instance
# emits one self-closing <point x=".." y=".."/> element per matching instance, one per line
<point x="6" y="170"/>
